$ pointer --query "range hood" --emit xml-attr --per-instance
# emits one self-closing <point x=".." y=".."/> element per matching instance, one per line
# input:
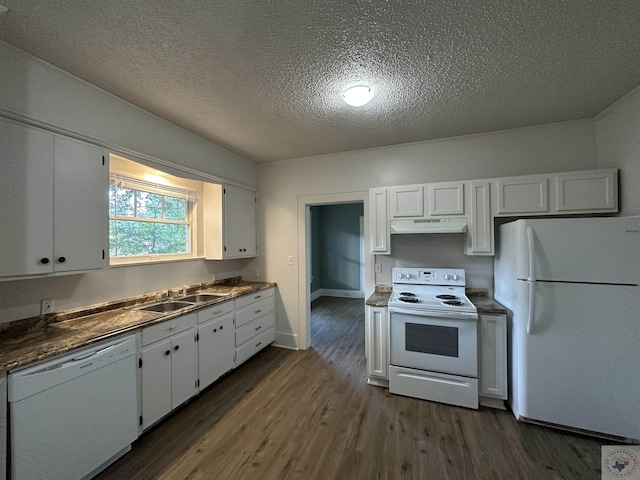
<point x="430" y="225"/>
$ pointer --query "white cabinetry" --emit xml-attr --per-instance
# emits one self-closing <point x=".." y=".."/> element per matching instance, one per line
<point x="216" y="346"/>
<point x="377" y="345"/>
<point x="493" y="359"/>
<point x="53" y="192"/>
<point x="521" y="195"/>
<point x="230" y="222"/>
<point x="168" y="367"/>
<point x="380" y="232"/>
<point x="592" y="191"/>
<point x="445" y="199"/>
<point x="406" y="201"/>
<point x="255" y="323"/>
<point x="479" y="236"/>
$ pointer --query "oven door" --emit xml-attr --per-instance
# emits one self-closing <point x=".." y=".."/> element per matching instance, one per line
<point x="435" y="341"/>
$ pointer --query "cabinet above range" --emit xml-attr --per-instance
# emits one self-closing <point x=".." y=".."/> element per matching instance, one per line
<point x="470" y="207"/>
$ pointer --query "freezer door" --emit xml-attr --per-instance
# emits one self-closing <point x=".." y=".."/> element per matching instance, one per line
<point x="597" y="250"/>
<point x="578" y="366"/>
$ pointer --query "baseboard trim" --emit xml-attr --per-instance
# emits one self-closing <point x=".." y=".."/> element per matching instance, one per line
<point x="286" y="340"/>
<point x="332" y="292"/>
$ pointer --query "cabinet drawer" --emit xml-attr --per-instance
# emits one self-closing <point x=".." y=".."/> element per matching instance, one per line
<point x="254" y="297"/>
<point x="255" y="328"/>
<point x="215" y="311"/>
<point x="166" y="329"/>
<point x="253" y="346"/>
<point x="255" y="310"/>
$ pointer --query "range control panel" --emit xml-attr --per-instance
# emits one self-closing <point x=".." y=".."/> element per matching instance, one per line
<point x="429" y="276"/>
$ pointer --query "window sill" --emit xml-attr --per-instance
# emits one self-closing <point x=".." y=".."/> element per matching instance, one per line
<point x="138" y="262"/>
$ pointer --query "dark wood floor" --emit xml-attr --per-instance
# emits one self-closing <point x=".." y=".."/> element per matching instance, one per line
<point x="310" y="415"/>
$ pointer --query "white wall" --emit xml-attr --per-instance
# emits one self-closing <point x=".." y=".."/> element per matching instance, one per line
<point x="618" y="145"/>
<point x="34" y="91"/>
<point x="551" y="148"/>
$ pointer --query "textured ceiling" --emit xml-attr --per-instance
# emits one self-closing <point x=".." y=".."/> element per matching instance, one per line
<point x="263" y="78"/>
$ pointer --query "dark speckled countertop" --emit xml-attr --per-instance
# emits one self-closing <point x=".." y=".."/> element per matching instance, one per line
<point x="35" y="339"/>
<point x="478" y="296"/>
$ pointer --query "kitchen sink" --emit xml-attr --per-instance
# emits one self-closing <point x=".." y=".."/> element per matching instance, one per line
<point x="202" y="297"/>
<point x="166" y="307"/>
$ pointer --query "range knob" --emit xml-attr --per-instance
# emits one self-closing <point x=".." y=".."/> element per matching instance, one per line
<point x="447" y="276"/>
<point x="401" y="275"/>
<point x="456" y="277"/>
<point x="409" y="275"/>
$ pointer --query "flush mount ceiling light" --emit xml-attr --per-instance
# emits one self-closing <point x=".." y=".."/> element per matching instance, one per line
<point x="358" y="95"/>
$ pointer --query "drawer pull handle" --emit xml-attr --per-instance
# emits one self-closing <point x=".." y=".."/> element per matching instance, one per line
<point x="258" y="328"/>
<point x="217" y="312"/>
<point x="172" y="327"/>
<point x="257" y="296"/>
<point x="167" y="353"/>
<point x="215" y="330"/>
<point x="44" y="261"/>
<point x="258" y="311"/>
<point x="258" y="344"/>
<point x="176" y="348"/>
<point x="221" y="327"/>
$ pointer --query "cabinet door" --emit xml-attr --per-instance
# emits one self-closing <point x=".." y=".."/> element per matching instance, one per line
<point x="216" y="348"/>
<point x="406" y="201"/>
<point x="26" y="196"/>
<point x="521" y="195"/>
<point x="377" y="342"/>
<point x="380" y="233"/>
<point x="587" y="191"/>
<point x="81" y="183"/>
<point x="240" y="228"/>
<point x="493" y="355"/>
<point x="479" y="220"/>
<point x="156" y="382"/>
<point x="184" y="371"/>
<point x="446" y="198"/>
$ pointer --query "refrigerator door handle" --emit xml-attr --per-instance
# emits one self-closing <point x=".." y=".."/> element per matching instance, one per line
<point x="530" y="309"/>
<point x="532" y="250"/>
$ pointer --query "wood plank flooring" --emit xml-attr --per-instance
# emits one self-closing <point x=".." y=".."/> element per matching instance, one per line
<point x="310" y="415"/>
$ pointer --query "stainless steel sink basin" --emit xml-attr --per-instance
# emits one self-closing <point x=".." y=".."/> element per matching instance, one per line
<point x="202" y="297"/>
<point x="166" y="307"/>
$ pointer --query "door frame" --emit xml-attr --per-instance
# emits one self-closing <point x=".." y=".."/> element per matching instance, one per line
<point x="304" y="254"/>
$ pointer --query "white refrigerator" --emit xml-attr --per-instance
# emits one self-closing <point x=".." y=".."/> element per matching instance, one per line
<point x="574" y="351"/>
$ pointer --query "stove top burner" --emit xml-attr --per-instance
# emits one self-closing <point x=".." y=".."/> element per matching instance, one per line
<point x="455" y="303"/>
<point x="407" y="294"/>
<point x="413" y="299"/>
<point x="446" y="297"/>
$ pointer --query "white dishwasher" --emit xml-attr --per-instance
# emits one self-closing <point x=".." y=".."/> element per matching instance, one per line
<point x="72" y="416"/>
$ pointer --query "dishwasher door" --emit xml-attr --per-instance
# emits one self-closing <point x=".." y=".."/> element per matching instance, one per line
<point x="71" y="417"/>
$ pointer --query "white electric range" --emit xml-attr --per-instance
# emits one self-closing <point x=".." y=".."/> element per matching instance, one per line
<point x="433" y="337"/>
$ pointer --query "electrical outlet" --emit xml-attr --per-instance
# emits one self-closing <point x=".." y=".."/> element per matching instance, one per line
<point x="290" y="260"/>
<point x="256" y="272"/>
<point x="378" y="268"/>
<point x="46" y="306"/>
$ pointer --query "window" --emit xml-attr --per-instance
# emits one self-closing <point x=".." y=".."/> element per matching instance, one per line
<point x="149" y="221"/>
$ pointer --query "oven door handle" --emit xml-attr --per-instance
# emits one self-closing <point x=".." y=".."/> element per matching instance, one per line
<point x="436" y="314"/>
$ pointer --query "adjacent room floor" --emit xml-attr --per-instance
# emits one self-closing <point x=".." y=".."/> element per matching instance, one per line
<point x="310" y="415"/>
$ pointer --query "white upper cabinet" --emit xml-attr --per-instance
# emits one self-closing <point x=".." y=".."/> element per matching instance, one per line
<point x="406" y="201"/>
<point x="521" y="195"/>
<point x="54" y="203"/>
<point x="479" y="236"/>
<point x="445" y="198"/>
<point x="230" y="222"/>
<point x="379" y="220"/>
<point x="593" y="191"/>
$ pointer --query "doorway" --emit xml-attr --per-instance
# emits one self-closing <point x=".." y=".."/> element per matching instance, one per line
<point x="305" y="268"/>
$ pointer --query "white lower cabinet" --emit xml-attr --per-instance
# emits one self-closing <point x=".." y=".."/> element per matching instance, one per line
<point x="493" y="359"/>
<point x="255" y="323"/>
<point x="216" y="348"/>
<point x="168" y="367"/>
<point x="377" y="345"/>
